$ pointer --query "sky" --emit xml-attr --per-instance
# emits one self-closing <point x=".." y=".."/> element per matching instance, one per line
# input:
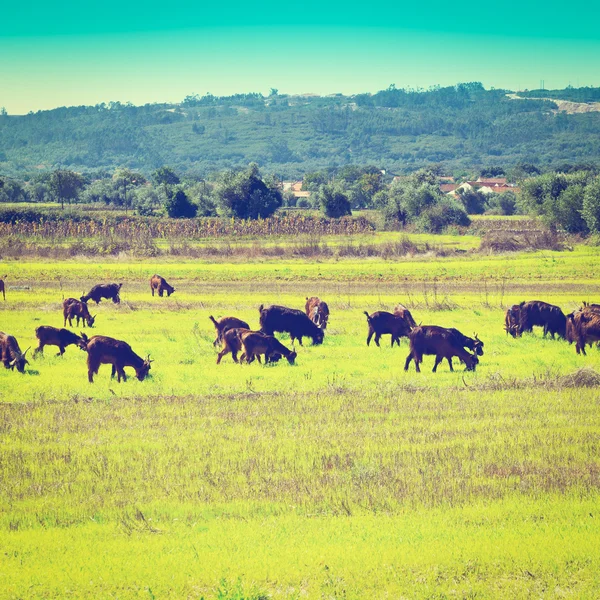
<point x="73" y="53"/>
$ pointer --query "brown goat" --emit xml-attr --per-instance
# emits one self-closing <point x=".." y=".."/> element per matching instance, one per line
<point x="73" y="308"/>
<point x="160" y="284"/>
<point x="583" y="327"/>
<point x="110" y="291"/>
<point x="317" y="311"/>
<point x="224" y="324"/>
<point x="439" y="341"/>
<point x="382" y="323"/>
<point x="401" y="311"/>
<point x="511" y="320"/>
<point x="232" y="343"/>
<point x="53" y="336"/>
<point x="10" y="353"/>
<point x="105" y="350"/>
<point x="257" y="343"/>
<point x="3" y="287"/>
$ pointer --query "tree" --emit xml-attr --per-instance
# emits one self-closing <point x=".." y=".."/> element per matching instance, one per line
<point x="591" y="206"/>
<point x="334" y="203"/>
<point x="165" y="176"/>
<point x="474" y="201"/>
<point x="445" y="213"/>
<point x="246" y="195"/>
<point x="179" y="206"/>
<point x="65" y="185"/>
<point x="124" y="178"/>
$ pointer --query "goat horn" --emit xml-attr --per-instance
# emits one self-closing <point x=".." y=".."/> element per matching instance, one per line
<point x="24" y="353"/>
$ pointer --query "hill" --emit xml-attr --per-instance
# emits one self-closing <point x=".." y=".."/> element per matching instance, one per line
<point x="401" y="130"/>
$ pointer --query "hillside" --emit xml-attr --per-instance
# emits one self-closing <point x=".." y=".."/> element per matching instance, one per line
<point x="400" y="130"/>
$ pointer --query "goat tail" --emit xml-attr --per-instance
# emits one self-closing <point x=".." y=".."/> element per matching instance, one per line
<point x="213" y="320"/>
<point x="260" y="308"/>
<point x="368" y="316"/>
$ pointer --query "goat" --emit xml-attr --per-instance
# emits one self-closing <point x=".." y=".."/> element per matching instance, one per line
<point x="295" y="322"/>
<point x="317" y="311"/>
<point x="73" y="308"/>
<point x="257" y="343"/>
<point x="542" y="314"/>
<point x="10" y="353"/>
<point x="439" y="341"/>
<point x="3" y="286"/>
<point x="232" y="342"/>
<point x="103" y="290"/>
<point x="53" y="336"/>
<point x="382" y="322"/>
<point x="160" y="284"/>
<point x="401" y="311"/>
<point x="226" y="323"/>
<point x="105" y="350"/>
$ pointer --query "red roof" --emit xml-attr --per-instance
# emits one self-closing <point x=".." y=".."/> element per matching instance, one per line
<point x="448" y="187"/>
<point x="492" y="180"/>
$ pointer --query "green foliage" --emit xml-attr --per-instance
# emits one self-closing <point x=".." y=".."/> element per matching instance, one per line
<point x="66" y="185"/>
<point x="503" y="204"/>
<point x="12" y="190"/>
<point x="334" y="203"/>
<point x="178" y="206"/>
<point x="165" y="176"/>
<point x="245" y="195"/>
<point x="590" y="210"/>
<point x="445" y="213"/>
<point x="458" y="127"/>
<point x="558" y="198"/>
<point x="474" y="201"/>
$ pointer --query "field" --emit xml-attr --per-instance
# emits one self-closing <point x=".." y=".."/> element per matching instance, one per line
<point x="339" y="477"/>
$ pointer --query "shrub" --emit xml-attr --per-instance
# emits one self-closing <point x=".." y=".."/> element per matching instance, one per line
<point x="178" y="206"/>
<point x="443" y="214"/>
<point x="334" y="203"/>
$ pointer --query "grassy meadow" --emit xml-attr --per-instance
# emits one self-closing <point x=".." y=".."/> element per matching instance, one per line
<point x="341" y="476"/>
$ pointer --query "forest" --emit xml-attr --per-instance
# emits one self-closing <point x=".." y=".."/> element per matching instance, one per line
<point x="401" y="130"/>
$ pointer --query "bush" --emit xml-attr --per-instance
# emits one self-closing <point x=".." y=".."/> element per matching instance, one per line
<point x="474" y="202"/>
<point x="178" y="206"/>
<point x="443" y="214"/>
<point x="246" y="196"/>
<point x="503" y="204"/>
<point x="334" y="203"/>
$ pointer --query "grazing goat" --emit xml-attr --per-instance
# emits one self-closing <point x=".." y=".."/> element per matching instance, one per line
<point x="53" y="336"/>
<point x="542" y="314"/>
<point x="105" y="350"/>
<point x="511" y="320"/>
<point x="103" y="290"/>
<point x="10" y="353"/>
<point x="381" y="323"/>
<point x="317" y="311"/>
<point x="439" y="341"/>
<point x="473" y="344"/>
<point x="3" y="286"/>
<point x="257" y="343"/>
<point x="160" y="284"/>
<point x="73" y="308"/>
<point x="295" y="322"/>
<point x="225" y="324"/>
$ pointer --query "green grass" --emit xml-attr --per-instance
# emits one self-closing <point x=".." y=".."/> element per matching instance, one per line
<point x="340" y="476"/>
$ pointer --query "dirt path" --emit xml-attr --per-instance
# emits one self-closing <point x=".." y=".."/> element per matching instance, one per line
<point x="566" y="105"/>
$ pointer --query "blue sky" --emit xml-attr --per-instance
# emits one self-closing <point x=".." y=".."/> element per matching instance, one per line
<point x="80" y="53"/>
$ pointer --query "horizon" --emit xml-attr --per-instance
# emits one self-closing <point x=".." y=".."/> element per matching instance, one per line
<point x="71" y="55"/>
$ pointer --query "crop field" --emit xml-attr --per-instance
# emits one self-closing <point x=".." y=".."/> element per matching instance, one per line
<point x="341" y="476"/>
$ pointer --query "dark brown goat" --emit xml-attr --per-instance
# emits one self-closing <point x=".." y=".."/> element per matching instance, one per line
<point x="160" y="284"/>
<point x="105" y="350"/>
<point x="537" y="313"/>
<point x="53" y="336"/>
<point x="10" y="353"/>
<point x="224" y="324"/>
<point x="257" y="343"/>
<point x="73" y="308"/>
<point x="438" y="341"/>
<point x="104" y="290"/>
<point x="382" y="323"/>
<point x="317" y="311"/>
<point x="3" y="286"/>
<point x="289" y="320"/>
